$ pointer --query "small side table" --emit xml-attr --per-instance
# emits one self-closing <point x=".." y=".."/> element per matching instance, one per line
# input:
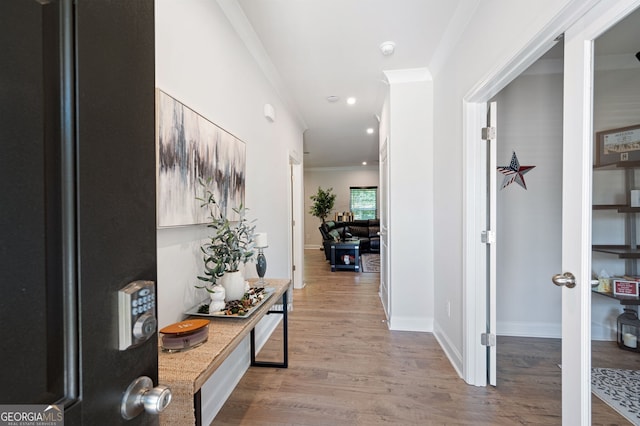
<point x="350" y="249"/>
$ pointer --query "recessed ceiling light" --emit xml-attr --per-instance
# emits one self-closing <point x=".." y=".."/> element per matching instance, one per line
<point x="364" y="163"/>
<point x="387" y="48"/>
<point x="333" y="98"/>
<point x="370" y="131"/>
<point x="351" y="100"/>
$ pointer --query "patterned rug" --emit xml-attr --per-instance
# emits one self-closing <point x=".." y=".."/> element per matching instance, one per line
<point x="370" y="262"/>
<point x="620" y="389"/>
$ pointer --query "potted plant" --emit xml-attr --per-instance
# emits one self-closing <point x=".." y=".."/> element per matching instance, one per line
<point x="322" y="203"/>
<point x="230" y="245"/>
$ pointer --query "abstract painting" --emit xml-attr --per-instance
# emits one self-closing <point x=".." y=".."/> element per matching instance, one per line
<point x="190" y="148"/>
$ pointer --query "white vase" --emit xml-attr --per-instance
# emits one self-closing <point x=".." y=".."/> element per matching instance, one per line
<point x="234" y="287"/>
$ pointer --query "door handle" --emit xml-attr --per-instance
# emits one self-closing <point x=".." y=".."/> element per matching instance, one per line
<point x="142" y="396"/>
<point x="567" y="279"/>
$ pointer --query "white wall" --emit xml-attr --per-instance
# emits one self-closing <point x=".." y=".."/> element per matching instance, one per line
<point x="407" y="123"/>
<point x="202" y="62"/>
<point x="529" y="222"/>
<point x="340" y="179"/>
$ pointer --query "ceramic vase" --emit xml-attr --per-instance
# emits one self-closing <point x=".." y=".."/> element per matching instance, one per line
<point x="234" y="286"/>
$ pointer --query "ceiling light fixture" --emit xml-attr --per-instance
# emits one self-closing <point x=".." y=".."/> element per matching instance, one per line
<point x="351" y="100"/>
<point x="387" y="48"/>
<point x="364" y="163"/>
<point x="370" y="131"/>
<point x="333" y="98"/>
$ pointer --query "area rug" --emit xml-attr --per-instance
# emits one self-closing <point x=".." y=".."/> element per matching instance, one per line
<point x="370" y="262"/>
<point x="620" y="389"/>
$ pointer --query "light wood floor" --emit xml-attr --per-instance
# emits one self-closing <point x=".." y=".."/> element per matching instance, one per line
<point x="347" y="368"/>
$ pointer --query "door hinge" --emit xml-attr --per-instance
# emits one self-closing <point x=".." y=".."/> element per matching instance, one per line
<point x="488" y="237"/>
<point x="294" y="267"/>
<point x="488" y="133"/>
<point x="488" y="339"/>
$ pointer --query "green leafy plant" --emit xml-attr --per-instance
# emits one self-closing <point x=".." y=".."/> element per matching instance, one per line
<point x="231" y="243"/>
<point x="323" y="202"/>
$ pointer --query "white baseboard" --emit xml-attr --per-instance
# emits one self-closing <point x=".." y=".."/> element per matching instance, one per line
<point x="550" y="330"/>
<point x="603" y="333"/>
<point x="529" y="329"/>
<point x="312" y="247"/>
<point x="454" y="356"/>
<point x="400" y="323"/>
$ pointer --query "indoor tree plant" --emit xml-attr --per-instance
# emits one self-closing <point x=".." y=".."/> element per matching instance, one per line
<point x="230" y="245"/>
<point x="323" y="202"/>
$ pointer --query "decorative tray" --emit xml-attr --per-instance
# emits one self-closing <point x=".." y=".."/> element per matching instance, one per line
<point x="268" y="291"/>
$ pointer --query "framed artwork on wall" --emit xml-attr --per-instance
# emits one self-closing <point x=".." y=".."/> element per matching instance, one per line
<point x="618" y="145"/>
<point x="189" y="148"/>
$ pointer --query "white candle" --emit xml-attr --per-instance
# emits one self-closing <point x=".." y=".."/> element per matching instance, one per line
<point x="261" y="239"/>
<point x="630" y="340"/>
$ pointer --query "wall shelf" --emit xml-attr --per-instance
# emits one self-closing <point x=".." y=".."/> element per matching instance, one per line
<point x="623" y="252"/>
<point x="620" y="208"/>
<point x="624" y="300"/>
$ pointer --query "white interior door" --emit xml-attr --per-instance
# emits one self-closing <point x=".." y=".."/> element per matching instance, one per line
<point x="490" y="239"/>
<point x="576" y="237"/>
<point x="576" y="204"/>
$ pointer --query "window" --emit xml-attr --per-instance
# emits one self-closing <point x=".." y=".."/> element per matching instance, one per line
<point x="364" y="202"/>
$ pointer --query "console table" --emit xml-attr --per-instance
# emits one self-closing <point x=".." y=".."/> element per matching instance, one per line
<point x="345" y="248"/>
<point x="186" y="372"/>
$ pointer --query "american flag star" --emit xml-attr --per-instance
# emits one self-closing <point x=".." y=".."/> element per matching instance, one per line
<point x="514" y="172"/>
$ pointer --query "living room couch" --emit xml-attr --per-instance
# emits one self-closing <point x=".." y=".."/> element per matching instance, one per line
<point x="367" y="231"/>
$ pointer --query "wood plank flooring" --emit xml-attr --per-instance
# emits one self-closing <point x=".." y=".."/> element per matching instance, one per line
<point x="347" y="368"/>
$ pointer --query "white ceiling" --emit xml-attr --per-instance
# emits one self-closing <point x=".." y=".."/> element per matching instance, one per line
<point x="322" y="48"/>
<point x="312" y="49"/>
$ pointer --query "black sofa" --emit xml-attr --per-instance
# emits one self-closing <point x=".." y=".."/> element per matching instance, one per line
<point x="367" y="231"/>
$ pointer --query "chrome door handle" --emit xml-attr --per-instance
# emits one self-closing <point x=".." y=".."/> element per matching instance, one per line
<point x="142" y="396"/>
<point x="567" y="279"/>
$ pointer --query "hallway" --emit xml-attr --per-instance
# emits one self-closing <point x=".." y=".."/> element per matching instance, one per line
<point x="347" y="368"/>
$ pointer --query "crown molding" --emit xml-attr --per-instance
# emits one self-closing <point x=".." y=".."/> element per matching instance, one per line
<point x="240" y="23"/>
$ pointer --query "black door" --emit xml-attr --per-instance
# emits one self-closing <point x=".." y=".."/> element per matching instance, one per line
<point x="77" y="221"/>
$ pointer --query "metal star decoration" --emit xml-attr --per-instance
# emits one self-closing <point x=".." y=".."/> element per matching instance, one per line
<point x="514" y="172"/>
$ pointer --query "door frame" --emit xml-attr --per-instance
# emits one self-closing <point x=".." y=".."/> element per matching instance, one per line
<point x="474" y="198"/>
<point x="296" y="219"/>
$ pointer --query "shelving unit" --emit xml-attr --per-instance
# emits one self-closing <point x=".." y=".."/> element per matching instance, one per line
<point x="628" y="251"/>
<point x="627" y="331"/>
